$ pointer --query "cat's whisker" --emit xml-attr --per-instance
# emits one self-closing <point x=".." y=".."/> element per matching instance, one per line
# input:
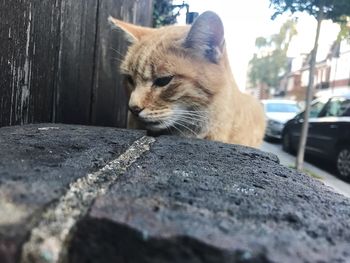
<point x="165" y="124"/>
<point x="117" y="52"/>
<point x="182" y="124"/>
<point x="191" y="119"/>
<point x="192" y="110"/>
<point x="192" y="116"/>
<point x="171" y="124"/>
<point x="194" y="119"/>
<point x="191" y="113"/>
<point x="184" y="135"/>
<point x="117" y="59"/>
<point x="187" y="122"/>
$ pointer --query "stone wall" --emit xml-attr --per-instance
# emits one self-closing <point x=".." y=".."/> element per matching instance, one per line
<point x="92" y="194"/>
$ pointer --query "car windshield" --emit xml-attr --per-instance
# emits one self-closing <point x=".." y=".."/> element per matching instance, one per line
<point x="281" y="107"/>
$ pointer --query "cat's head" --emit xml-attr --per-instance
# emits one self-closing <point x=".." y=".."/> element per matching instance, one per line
<point x="173" y="73"/>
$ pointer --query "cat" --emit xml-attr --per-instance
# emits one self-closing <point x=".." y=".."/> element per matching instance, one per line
<point x="179" y="82"/>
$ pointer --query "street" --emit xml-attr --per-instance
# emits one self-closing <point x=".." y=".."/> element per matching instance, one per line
<point x="324" y="171"/>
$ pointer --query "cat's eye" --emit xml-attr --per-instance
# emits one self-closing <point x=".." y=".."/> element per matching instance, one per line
<point x="129" y="80"/>
<point x="162" y="81"/>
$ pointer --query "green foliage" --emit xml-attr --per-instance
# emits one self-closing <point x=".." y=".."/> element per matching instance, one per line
<point x="308" y="172"/>
<point x="344" y="32"/>
<point x="163" y="13"/>
<point x="270" y="61"/>
<point x="332" y="9"/>
<point x="266" y="69"/>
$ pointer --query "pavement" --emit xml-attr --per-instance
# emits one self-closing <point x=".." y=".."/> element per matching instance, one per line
<point x="288" y="160"/>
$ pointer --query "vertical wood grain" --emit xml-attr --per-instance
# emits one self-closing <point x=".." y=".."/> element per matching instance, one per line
<point x="109" y="106"/>
<point x="59" y="60"/>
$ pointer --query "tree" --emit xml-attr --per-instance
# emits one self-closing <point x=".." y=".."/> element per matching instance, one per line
<point x="270" y="61"/>
<point x="165" y="12"/>
<point x="320" y="9"/>
<point x="344" y="32"/>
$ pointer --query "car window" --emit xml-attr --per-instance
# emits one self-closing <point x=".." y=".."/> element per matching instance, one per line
<point x="281" y="107"/>
<point x="316" y="108"/>
<point x="338" y="107"/>
<point x="345" y="108"/>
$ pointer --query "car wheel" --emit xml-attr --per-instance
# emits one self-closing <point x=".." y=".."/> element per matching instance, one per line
<point x="343" y="163"/>
<point x="286" y="146"/>
<point x="267" y="138"/>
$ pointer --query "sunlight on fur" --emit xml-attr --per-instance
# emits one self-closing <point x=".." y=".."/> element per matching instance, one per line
<point x="179" y="82"/>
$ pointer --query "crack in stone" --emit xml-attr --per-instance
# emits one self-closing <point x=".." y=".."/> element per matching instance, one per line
<point x="46" y="242"/>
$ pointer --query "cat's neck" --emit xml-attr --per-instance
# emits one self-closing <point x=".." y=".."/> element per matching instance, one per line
<point x="224" y="109"/>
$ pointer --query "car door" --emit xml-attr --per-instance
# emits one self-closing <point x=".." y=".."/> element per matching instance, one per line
<point x="325" y="129"/>
<point x="295" y="129"/>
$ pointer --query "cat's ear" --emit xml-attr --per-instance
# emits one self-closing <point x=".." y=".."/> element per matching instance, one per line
<point x="133" y="32"/>
<point x="207" y="36"/>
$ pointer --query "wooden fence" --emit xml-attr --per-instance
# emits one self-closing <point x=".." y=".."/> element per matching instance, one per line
<point x="59" y="60"/>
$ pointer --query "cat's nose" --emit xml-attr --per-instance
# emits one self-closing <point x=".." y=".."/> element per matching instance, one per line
<point x="135" y="110"/>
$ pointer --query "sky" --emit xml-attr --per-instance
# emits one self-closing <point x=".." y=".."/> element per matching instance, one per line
<point x="245" y="20"/>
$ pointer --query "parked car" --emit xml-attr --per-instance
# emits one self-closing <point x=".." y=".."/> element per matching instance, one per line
<point x="278" y="112"/>
<point x="329" y="132"/>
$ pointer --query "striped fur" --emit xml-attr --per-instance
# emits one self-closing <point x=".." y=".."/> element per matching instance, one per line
<point x="202" y="99"/>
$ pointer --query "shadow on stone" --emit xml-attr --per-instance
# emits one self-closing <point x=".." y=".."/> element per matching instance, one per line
<point x="100" y="240"/>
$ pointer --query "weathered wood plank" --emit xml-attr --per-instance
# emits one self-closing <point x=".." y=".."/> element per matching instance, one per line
<point x="44" y="59"/>
<point x="77" y="47"/>
<point x="14" y="64"/>
<point x="109" y="106"/>
<point x="29" y="31"/>
<point x="59" y="60"/>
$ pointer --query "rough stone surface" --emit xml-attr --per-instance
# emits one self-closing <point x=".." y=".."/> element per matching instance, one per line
<point x="37" y="164"/>
<point x="198" y="201"/>
<point x="175" y="200"/>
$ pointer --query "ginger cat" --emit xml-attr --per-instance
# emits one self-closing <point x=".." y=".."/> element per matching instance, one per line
<point x="180" y="82"/>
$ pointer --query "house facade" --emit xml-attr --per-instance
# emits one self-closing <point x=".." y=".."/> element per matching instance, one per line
<point x="332" y="75"/>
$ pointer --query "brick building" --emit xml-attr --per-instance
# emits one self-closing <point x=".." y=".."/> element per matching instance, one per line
<point x="332" y="75"/>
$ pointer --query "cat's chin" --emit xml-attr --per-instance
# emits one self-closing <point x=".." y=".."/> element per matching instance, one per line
<point x="154" y="126"/>
<point x="156" y="129"/>
<point x="158" y="133"/>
